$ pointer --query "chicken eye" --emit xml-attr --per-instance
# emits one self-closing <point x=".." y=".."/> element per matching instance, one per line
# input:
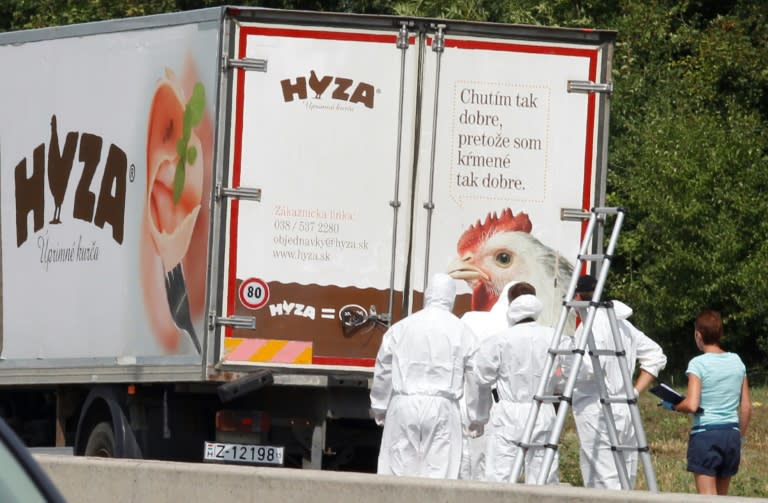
<point x="503" y="258"/>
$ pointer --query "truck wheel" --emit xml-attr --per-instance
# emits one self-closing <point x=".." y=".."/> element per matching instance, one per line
<point x="101" y="441"/>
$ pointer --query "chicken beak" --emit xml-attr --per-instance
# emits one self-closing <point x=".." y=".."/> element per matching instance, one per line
<point x="461" y="268"/>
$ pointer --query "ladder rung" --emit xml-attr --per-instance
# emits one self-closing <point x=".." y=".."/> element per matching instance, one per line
<point x="536" y="445"/>
<point x="577" y="303"/>
<point x="629" y="448"/>
<point x="549" y="398"/>
<point x="595" y="257"/>
<point x="556" y="352"/>
<point x="608" y="211"/>
<point x="619" y="399"/>
<point x="608" y="352"/>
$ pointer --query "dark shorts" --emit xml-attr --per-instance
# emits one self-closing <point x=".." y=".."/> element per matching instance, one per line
<point x="715" y="452"/>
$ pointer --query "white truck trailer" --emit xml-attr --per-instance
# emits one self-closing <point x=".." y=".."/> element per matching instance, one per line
<point x="210" y="218"/>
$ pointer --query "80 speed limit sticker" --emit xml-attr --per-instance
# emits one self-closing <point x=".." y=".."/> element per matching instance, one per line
<point x="254" y="293"/>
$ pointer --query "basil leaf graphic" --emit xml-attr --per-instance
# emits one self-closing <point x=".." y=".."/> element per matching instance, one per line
<point x="178" y="181"/>
<point x="193" y="114"/>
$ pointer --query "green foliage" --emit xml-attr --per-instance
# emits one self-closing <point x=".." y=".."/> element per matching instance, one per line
<point x="688" y="148"/>
<point x="473" y="10"/>
<point x="25" y="14"/>
<point x="538" y="12"/>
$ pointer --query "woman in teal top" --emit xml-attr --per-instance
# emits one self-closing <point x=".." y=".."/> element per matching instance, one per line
<point x="717" y="382"/>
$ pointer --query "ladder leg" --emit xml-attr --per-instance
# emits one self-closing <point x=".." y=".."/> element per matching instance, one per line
<point x="543" y="386"/>
<point x="610" y="421"/>
<point x="565" y="403"/>
<point x="552" y="442"/>
<point x="634" y="408"/>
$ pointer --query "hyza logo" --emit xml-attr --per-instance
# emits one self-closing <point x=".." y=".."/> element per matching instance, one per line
<point x="108" y="206"/>
<point x="340" y="88"/>
<point x="292" y="309"/>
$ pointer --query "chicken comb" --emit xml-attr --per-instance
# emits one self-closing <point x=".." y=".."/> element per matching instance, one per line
<point x="479" y="232"/>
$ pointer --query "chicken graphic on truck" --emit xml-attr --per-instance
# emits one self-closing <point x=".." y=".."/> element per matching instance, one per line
<point x="501" y="249"/>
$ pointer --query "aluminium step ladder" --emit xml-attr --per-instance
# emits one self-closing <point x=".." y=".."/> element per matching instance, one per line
<point x="585" y="343"/>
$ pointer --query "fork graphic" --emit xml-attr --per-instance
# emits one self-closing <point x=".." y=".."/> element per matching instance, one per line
<point x="178" y="302"/>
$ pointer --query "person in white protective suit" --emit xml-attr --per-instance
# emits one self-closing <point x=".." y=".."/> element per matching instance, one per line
<point x="514" y="361"/>
<point x="598" y="468"/>
<point x="417" y="383"/>
<point x="484" y="324"/>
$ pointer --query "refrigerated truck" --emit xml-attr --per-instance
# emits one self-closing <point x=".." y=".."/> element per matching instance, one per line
<point x="210" y="218"/>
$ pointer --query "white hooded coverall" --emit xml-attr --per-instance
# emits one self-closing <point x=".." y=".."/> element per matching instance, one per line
<point x="513" y="360"/>
<point x="598" y="468"/>
<point x="417" y="383"/>
<point x="484" y="324"/>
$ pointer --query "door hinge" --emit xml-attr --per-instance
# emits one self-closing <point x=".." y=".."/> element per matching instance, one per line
<point x="587" y="86"/>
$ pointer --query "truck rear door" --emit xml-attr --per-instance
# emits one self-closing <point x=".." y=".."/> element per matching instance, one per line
<point x="515" y="142"/>
<point x="320" y="124"/>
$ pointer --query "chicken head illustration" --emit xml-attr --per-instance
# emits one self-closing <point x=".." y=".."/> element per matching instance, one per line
<point x="501" y="249"/>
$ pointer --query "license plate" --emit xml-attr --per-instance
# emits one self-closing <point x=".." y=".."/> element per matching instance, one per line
<point x="243" y="453"/>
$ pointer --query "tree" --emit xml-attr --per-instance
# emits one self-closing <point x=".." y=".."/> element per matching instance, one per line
<point x="688" y="148"/>
<point x="26" y="14"/>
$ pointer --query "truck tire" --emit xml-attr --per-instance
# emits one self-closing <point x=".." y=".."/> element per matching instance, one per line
<point x="101" y="441"/>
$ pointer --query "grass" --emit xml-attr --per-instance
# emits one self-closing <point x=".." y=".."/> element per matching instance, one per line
<point x="667" y="434"/>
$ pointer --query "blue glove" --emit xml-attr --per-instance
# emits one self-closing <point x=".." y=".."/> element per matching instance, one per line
<point x="667" y="405"/>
